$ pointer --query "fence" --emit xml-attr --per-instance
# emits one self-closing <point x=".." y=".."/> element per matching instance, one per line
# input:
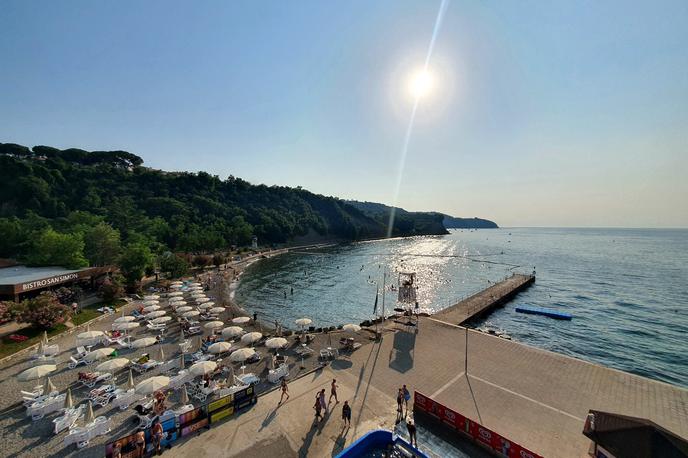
<point x="176" y="427"/>
<point x="480" y="434"/>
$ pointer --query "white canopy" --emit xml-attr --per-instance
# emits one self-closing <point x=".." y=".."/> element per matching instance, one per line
<point x="303" y="321"/>
<point x="151" y="308"/>
<point x="217" y="309"/>
<point x="100" y="353"/>
<point x="125" y="319"/>
<point x="276" y="342"/>
<point x="241" y="320"/>
<point x="184" y="308"/>
<point x="213" y="324"/>
<point x="156" y="314"/>
<point x="113" y="365"/>
<point x="251" y="337"/>
<point x="124" y="326"/>
<point x="152" y="384"/>
<point x="143" y="342"/>
<point x="242" y="355"/>
<point x="219" y="347"/>
<point x="151" y="297"/>
<point x="351" y="328"/>
<point x="162" y="319"/>
<point x="232" y="331"/>
<point x="203" y="367"/>
<point x="191" y="314"/>
<point x="35" y="372"/>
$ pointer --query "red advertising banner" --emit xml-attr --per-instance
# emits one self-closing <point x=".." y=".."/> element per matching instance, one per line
<point x="479" y="433"/>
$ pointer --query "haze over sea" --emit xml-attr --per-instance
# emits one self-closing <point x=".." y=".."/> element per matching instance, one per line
<point x="626" y="288"/>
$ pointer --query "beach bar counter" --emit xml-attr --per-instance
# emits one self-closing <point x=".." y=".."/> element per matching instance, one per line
<point x="18" y="282"/>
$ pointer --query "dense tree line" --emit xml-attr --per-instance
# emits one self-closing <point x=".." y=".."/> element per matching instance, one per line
<point x="73" y="208"/>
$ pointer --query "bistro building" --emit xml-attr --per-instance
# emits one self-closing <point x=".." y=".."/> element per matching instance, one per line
<point x="18" y="282"/>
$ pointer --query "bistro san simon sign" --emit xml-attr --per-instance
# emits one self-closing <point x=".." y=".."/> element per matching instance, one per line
<point x="48" y="281"/>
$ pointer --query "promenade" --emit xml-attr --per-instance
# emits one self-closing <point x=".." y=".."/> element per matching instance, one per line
<point x="534" y="397"/>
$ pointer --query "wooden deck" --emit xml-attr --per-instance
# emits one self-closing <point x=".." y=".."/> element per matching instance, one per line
<point x="486" y="300"/>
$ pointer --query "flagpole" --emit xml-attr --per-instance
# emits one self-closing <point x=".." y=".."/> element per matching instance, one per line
<point x="384" y="279"/>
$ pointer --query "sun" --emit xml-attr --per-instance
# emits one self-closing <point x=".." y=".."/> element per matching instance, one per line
<point x="420" y="84"/>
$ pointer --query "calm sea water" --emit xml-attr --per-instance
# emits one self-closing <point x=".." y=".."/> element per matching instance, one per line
<point x="627" y="288"/>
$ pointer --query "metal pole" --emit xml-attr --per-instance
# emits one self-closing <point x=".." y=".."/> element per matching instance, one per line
<point x="465" y="367"/>
<point x="384" y="279"/>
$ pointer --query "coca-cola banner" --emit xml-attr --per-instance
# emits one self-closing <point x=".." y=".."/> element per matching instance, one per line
<point x="476" y="431"/>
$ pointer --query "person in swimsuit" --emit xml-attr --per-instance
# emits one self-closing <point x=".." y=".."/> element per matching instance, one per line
<point x="285" y="391"/>
<point x="333" y="391"/>
<point x="157" y="437"/>
<point x="318" y="408"/>
<point x="140" y="443"/>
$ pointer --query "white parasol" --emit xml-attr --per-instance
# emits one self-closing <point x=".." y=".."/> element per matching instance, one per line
<point x="203" y="367"/>
<point x="125" y="319"/>
<point x="351" y="328"/>
<point x="276" y="342"/>
<point x="219" y="347"/>
<point x="251" y="337"/>
<point x="213" y="324"/>
<point x="191" y="314"/>
<point x="303" y="322"/>
<point x="232" y="331"/>
<point x="69" y="401"/>
<point x="242" y="355"/>
<point x="157" y="314"/>
<point x="124" y="326"/>
<point x="113" y="365"/>
<point x="35" y="372"/>
<point x="100" y="353"/>
<point x="184" y="309"/>
<point x="151" y="297"/>
<point x="162" y="319"/>
<point x="217" y="310"/>
<point x="151" y="308"/>
<point x="144" y="342"/>
<point x="241" y="320"/>
<point x="152" y="384"/>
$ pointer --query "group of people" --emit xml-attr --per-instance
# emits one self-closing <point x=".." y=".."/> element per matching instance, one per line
<point x="321" y="405"/>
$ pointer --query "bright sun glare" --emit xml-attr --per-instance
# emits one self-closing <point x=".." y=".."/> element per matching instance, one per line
<point x="420" y="84"/>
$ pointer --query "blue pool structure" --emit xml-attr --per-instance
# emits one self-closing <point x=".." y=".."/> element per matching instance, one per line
<point x="377" y="440"/>
<point x="551" y="313"/>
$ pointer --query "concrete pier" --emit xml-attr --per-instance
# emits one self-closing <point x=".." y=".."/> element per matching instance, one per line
<point x="486" y="300"/>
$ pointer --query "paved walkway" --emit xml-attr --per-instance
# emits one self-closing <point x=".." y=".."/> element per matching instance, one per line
<point x="534" y="397"/>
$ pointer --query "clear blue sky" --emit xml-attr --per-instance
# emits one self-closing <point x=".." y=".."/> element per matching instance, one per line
<point x="542" y="113"/>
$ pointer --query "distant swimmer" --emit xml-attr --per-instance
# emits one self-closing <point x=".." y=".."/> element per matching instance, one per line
<point x="292" y="290"/>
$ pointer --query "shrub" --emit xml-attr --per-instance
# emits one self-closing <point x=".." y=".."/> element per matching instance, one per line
<point x="43" y="311"/>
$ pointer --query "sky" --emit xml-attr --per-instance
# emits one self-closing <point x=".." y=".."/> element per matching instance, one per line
<point x="540" y="113"/>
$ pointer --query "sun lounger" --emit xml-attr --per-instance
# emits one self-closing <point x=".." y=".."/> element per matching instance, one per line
<point x="81" y="435"/>
<point x="80" y="352"/>
<point x="90" y="379"/>
<point x="123" y="399"/>
<point x="68" y="419"/>
<point x="73" y="362"/>
<point x="41" y="408"/>
<point x="43" y="359"/>
<point x="184" y="376"/>
<point x="156" y="327"/>
<point x="274" y="375"/>
<point x="146" y="366"/>
<point x="247" y="379"/>
<point x="102" y="395"/>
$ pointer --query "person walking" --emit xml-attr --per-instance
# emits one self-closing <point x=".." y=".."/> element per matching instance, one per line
<point x="410" y="425"/>
<point x="318" y="408"/>
<point x="323" y="404"/>
<point x="407" y="397"/>
<point x="285" y="390"/>
<point x="400" y="405"/>
<point x="333" y="392"/>
<point x="346" y="413"/>
<point x="157" y="434"/>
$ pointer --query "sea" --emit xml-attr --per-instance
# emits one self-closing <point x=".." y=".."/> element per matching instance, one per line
<point x="627" y="289"/>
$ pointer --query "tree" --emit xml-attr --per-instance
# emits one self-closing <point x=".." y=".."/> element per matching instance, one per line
<point x="133" y="262"/>
<point x="219" y="259"/>
<point x="51" y="248"/>
<point x="111" y="289"/>
<point x="43" y="311"/>
<point x="7" y="311"/>
<point x="102" y="245"/>
<point x="174" y="265"/>
<point x="201" y="260"/>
